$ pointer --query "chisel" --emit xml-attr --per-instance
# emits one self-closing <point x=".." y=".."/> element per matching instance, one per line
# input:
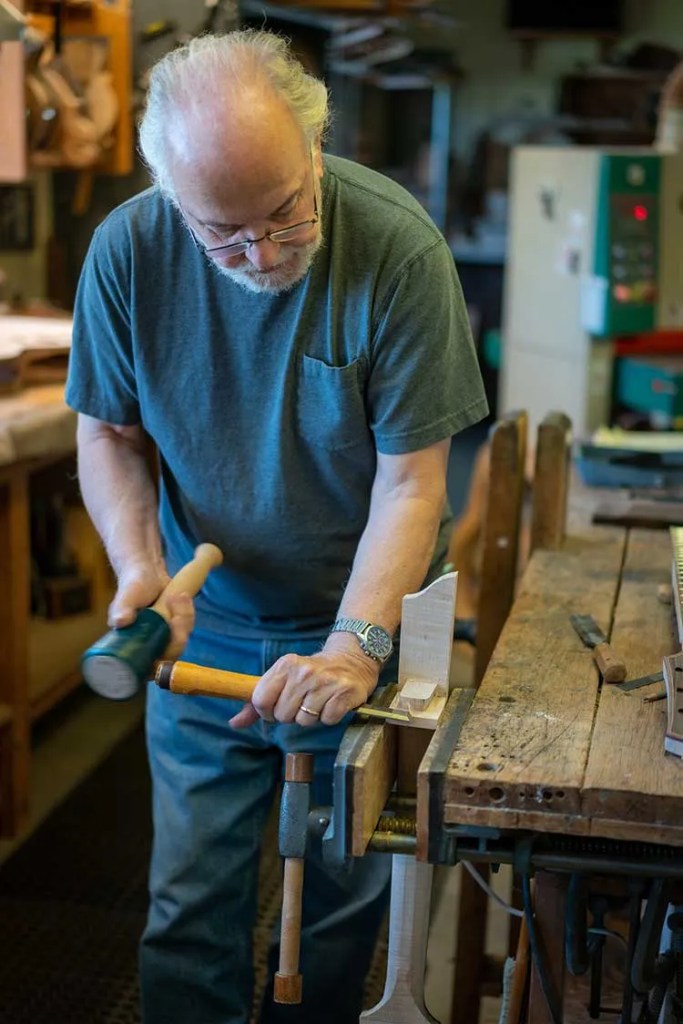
<point x="199" y="681"/>
<point x="612" y="669"/>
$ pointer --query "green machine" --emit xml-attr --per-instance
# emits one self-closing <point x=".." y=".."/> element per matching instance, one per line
<point x="595" y="263"/>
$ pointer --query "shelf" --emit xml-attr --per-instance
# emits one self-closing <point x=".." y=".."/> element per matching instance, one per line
<point x="55" y="647"/>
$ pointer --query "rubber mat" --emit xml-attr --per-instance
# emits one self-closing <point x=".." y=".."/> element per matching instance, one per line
<point x="73" y="902"/>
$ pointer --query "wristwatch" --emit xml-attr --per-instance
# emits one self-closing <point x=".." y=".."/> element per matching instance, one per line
<point x="374" y="640"/>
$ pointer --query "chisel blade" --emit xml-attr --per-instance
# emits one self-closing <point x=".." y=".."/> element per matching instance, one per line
<point x="588" y="630"/>
<point x="368" y="711"/>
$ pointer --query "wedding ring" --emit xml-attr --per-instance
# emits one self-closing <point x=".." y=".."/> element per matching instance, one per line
<point x="313" y="714"/>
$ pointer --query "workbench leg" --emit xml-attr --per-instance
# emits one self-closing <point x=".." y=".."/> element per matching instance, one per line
<point x="470" y="946"/>
<point x="549" y="911"/>
<point x="15" y="568"/>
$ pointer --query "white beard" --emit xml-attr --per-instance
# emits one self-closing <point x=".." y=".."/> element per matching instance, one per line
<point x="291" y="269"/>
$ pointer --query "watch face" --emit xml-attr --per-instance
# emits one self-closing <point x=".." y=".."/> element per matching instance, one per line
<point x="378" y="642"/>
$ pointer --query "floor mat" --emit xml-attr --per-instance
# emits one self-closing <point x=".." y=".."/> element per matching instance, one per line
<point x="73" y="902"/>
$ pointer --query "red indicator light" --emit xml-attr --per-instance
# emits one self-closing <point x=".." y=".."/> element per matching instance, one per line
<point x="640" y="212"/>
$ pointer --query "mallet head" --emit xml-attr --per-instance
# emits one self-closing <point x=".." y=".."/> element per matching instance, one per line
<point x="117" y="664"/>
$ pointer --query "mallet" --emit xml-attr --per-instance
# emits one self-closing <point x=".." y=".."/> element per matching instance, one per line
<point x="119" y="662"/>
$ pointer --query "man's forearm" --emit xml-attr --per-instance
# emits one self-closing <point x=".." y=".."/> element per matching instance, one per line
<point x="119" y="494"/>
<point x="392" y="559"/>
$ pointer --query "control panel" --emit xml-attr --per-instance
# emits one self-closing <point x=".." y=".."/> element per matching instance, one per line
<point x="626" y="249"/>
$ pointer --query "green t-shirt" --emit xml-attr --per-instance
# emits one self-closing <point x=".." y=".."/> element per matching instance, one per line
<point x="268" y="410"/>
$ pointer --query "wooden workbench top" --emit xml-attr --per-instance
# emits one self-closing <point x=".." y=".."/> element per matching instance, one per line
<point x="36" y="422"/>
<point x="546" y="746"/>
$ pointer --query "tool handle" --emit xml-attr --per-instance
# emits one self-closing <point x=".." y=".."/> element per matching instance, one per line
<point x="287" y="983"/>
<point x="190" y="579"/>
<point x="612" y="669"/>
<point x="199" y="681"/>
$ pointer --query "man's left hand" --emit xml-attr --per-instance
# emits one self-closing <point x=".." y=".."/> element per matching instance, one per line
<point x="320" y="688"/>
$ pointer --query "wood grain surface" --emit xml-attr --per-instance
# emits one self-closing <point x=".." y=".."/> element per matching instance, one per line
<point x="546" y="746"/>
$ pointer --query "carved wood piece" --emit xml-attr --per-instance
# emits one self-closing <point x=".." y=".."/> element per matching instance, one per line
<point x="416" y="694"/>
<point x="425" y="652"/>
<point x="673" y="678"/>
<point x="403" y="999"/>
<point x="427" y="633"/>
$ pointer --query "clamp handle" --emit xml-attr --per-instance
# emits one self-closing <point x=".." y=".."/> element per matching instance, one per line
<point x="294" y="810"/>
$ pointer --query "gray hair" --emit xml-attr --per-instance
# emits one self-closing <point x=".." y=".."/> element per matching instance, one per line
<point x="191" y="72"/>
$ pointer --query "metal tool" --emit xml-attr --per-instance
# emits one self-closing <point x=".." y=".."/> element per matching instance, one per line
<point x="655" y="697"/>
<point x="612" y="668"/>
<point x="635" y="684"/>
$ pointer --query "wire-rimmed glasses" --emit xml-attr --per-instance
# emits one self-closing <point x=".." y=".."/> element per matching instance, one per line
<point x="289" y="234"/>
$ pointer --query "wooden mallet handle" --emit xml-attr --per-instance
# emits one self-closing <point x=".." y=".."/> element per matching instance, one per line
<point x="190" y="579"/>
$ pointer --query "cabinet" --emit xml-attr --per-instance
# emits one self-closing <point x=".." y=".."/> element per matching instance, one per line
<point x="39" y="657"/>
<point x="66" y="90"/>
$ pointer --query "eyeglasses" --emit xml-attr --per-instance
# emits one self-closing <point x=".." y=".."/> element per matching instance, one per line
<point x="289" y="234"/>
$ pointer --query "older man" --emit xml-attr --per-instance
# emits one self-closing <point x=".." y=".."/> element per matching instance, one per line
<point x="290" y="331"/>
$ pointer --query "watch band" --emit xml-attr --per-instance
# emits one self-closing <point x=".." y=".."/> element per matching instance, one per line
<point x="350" y="626"/>
<point x="374" y="640"/>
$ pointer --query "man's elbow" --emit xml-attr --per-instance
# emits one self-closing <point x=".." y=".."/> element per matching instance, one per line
<point x="91" y="431"/>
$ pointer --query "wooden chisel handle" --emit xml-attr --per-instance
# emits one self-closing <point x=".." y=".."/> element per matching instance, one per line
<point x="612" y="669"/>
<point x="198" y="681"/>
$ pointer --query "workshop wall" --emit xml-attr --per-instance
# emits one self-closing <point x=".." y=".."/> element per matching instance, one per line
<point x="497" y="85"/>
<point x="502" y="82"/>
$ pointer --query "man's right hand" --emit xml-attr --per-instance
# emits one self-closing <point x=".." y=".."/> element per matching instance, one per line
<point x="138" y="588"/>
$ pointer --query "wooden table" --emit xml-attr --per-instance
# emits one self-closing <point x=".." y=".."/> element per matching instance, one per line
<point x="39" y="658"/>
<point x="546" y="748"/>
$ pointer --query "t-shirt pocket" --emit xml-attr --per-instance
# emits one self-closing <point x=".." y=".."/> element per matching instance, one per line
<point x="331" y="411"/>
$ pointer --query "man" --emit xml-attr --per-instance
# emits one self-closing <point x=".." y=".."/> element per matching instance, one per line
<point x="290" y="331"/>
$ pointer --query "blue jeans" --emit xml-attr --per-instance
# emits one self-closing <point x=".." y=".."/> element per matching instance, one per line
<point x="213" y="788"/>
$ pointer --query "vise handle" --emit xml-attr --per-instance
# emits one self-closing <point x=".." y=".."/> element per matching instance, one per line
<point x="292" y="837"/>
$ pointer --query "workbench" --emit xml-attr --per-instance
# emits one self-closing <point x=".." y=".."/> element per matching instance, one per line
<point x="545" y="746"/>
<point x="552" y="769"/>
<point x="39" y="657"/>
<point x="544" y="766"/>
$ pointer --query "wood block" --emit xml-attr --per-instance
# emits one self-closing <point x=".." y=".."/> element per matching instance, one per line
<point x="416" y="695"/>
